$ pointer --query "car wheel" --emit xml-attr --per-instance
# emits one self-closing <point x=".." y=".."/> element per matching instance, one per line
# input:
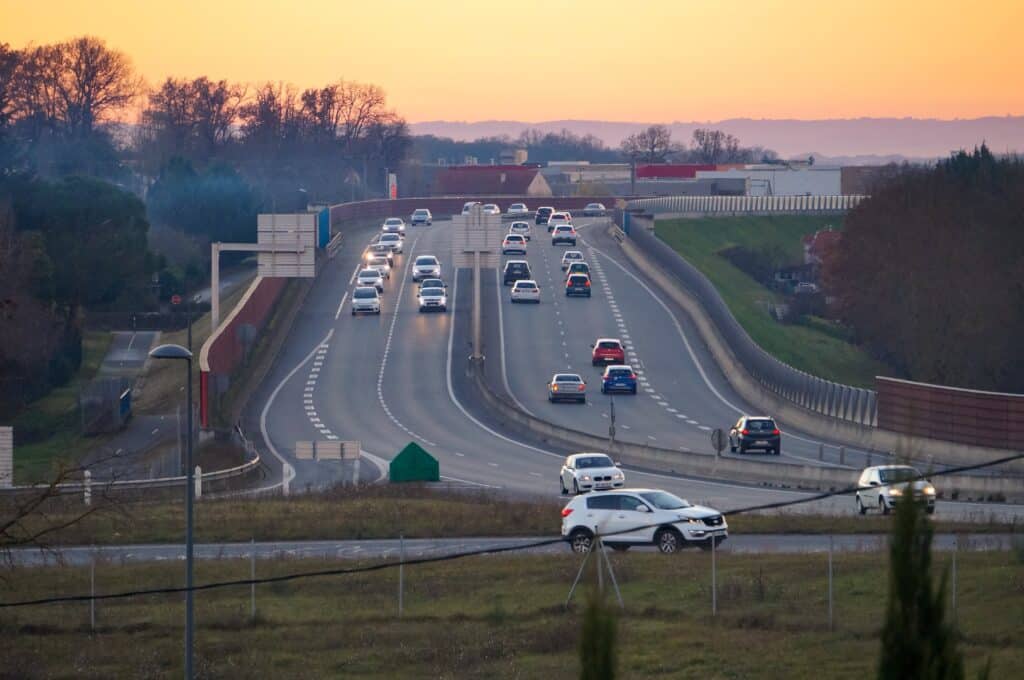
<point x="777" y="450"/>
<point x="581" y="541"/>
<point x="883" y="506"/>
<point x="575" y="488"/>
<point x="860" y="506"/>
<point x="743" y="450"/>
<point x="668" y="541"/>
<point x="353" y="312"/>
<point x="583" y="400"/>
<point x="930" y="510"/>
<point x="561" y="483"/>
<point x="633" y="391"/>
<point x="551" y="399"/>
<point x="620" y="547"/>
<point x="732" y="449"/>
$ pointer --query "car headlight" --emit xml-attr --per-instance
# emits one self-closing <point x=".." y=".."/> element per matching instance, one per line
<point x="586" y="478"/>
<point x="929" y="490"/>
<point x="895" y="492"/>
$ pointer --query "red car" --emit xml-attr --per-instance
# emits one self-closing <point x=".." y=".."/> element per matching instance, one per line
<point x="607" y="351"/>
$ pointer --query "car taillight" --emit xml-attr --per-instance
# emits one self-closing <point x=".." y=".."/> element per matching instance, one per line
<point x="581" y="388"/>
<point x="632" y="376"/>
<point x="554" y="388"/>
<point x="587" y="284"/>
<point x="775" y="431"/>
<point x="744" y="431"/>
<point x="566" y="512"/>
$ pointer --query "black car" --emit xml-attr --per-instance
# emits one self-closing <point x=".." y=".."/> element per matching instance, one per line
<point x="577" y="284"/>
<point x="516" y="270"/>
<point x="752" y="432"/>
<point x="542" y="215"/>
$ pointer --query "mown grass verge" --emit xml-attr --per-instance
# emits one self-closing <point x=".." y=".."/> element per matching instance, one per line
<point x="816" y="348"/>
<point x="388" y="511"/>
<point x="500" y="616"/>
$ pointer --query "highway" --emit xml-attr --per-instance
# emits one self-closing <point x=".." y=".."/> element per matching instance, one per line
<point x="390" y="548"/>
<point x="399" y="377"/>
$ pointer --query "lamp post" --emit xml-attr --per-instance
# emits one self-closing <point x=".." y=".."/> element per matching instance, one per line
<point x="179" y="352"/>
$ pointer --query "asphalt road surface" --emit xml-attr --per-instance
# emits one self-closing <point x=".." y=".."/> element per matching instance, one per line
<point x="427" y="547"/>
<point x="398" y="377"/>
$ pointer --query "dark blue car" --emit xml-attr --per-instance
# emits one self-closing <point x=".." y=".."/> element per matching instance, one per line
<point x="618" y="378"/>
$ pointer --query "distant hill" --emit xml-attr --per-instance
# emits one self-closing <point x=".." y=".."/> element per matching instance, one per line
<point x="892" y="138"/>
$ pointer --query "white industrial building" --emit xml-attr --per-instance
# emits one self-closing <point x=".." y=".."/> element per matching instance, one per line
<point x="773" y="180"/>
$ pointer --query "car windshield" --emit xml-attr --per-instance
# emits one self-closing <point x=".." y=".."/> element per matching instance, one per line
<point x="379" y="261"/>
<point x="900" y="474"/>
<point x="421" y="213"/>
<point x="564" y="227"/>
<point x="568" y="378"/>
<point x="426" y="260"/>
<point x="431" y="283"/>
<point x="664" y="501"/>
<point x="578" y="280"/>
<point x="619" y="373"/>
<point x="516" y="267"/>
<point x="761" y="425"/>
<point x="526" y="284"/>
<point x="608" y="344"/>
<point x="432" y="292"/>
<point x="515" y="237"/>
<point x="392" y="220"/>
<point x="362" y="293"/>
<point x="517" y="206"/>
<point x="369" y="274"/>
<point x="594" y="462"/>
<point x="594" y="205"/>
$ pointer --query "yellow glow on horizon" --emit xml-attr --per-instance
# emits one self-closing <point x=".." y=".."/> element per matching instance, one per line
<point x="533" y="60"/>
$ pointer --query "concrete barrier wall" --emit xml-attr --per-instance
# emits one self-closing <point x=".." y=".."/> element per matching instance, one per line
<point x="967" y="416"/>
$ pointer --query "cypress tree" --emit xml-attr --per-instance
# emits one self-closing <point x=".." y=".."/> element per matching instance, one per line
<point x="597" y="640"/>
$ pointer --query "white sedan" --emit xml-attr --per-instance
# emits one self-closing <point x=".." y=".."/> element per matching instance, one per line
<point x="583" y="472"/>
<point x="370" y="277"/>
<point x="521" y="228"/>
<point x="513" y="244"/>
<point x="525" y="290"/>
<point x="393" y="225"/>
<point x="518" y="210"/>
<point x="432" y="299"/>
<point x="393" y="241"/>
<point x="491" y="209"/>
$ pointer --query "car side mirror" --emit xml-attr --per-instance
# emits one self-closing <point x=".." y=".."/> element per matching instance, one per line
<point x="872" y="483"/>
<point x="642" y="508"/>
<point x="618" y="463"/>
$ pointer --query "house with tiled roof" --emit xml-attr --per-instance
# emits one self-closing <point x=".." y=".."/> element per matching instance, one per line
<point x="490" y="180"/>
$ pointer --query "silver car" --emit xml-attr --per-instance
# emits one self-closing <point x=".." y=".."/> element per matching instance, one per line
<point x="393" y="225"/>
<point x="426" y="267"/>
<point x="567" y="387"/>
<point x="432" y="299"/>
<point x="365" y="299"/>
<point x="378" y="250"/>
<point x="882" y="486"/>
<point x="421" y="216"/>
<point x="370" y="277"/>
<point x="521" y="228"/>
<point x="381" y="265"/>
<point x="491" y="209"/>
<point x="393" y="241"/>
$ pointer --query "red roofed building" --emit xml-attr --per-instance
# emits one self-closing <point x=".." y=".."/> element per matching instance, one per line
<point x="490" y="180"/>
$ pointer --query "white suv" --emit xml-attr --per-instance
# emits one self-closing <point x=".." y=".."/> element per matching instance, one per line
<point x="590" y="472"/>
<point x="365" y="299"/>
<point x="630" y="517"/>
<point x="426" y="267"/>
<point x="882" y="486"/>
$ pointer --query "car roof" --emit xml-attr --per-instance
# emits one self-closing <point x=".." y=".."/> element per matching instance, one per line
<point x="365" y="288"/>
<point x="516" y="262"/>
<point x="432" y="257"/>
<point x="533" y="281"/>
<point x="614" y="366"/>
<point x="758" y="418"/>
<point x="426" y="290"/>
<point x="607" y="340"/>
<point x="585" y="454"/>
<point x="369" y="272"/>
<point x="572" y="375"/>
<point x="890" y="467"/>
<point x="572" y="252"/>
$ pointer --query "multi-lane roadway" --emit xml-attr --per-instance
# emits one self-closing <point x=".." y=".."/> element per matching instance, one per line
<point x="394" y="378"/>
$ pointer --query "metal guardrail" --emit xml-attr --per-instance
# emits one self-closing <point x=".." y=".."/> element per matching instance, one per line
<point x="843" y="402"/>
<point x="745" y="204"/>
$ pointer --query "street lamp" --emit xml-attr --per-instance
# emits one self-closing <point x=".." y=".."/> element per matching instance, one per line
<point x="179" y="352"/>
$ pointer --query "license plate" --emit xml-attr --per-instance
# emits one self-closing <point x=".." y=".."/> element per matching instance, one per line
<point x="760" y="442"/>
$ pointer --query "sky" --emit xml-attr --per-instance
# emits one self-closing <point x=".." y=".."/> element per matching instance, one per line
<point x="536" y="60"/>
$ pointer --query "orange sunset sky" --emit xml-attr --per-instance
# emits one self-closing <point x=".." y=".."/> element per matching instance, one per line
<point x="653" y="60"/>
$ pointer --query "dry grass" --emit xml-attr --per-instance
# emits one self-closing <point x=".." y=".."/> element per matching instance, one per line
<point x="499" y="617"/>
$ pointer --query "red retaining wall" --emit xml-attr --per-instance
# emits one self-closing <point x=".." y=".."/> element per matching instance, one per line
<point x="991" y="419"/>
<point x="222" y="354"/>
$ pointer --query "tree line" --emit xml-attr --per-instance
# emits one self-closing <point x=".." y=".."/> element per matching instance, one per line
<point x="541" y="147"/>
<point x="707" y="146"/>
<point x="930" y="271"/>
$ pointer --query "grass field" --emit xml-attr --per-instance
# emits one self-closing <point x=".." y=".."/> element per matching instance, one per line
<point x="499" y="616"/>
<point x="386" y="512"/>
<point x="810" y="348"/>
<point x="57" y="414"/>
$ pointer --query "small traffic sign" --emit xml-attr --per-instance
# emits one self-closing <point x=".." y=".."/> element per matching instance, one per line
<point x="175" y="299"/>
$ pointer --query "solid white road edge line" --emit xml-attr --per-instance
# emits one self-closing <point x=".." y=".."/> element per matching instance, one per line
<point x="340" y="305"/>
<point x="501" y="343"/>
<point x="287" y="471"/>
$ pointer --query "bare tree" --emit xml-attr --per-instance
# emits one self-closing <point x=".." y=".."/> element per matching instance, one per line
<point x="216" y="107"/>
<point x="9" y="61"/>
<point x="94" y="81"/>
<point x="652" y="145"/>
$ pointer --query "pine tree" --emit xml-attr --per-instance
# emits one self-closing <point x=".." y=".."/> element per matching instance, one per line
<point x="918" y="643"/>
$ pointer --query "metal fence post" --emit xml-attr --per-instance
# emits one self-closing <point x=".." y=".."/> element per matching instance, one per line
<point x="842" y="455"/>
<point x="92" y="590"/>
<point x="87" y="483"/>
<point x="821" y="452"/>
<point x="401" y="571"/>
<point x="714" y="580"/>
<point x="830" y="610"/>
<point x="952" y="589"/>
<point x="252" y="577"/>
